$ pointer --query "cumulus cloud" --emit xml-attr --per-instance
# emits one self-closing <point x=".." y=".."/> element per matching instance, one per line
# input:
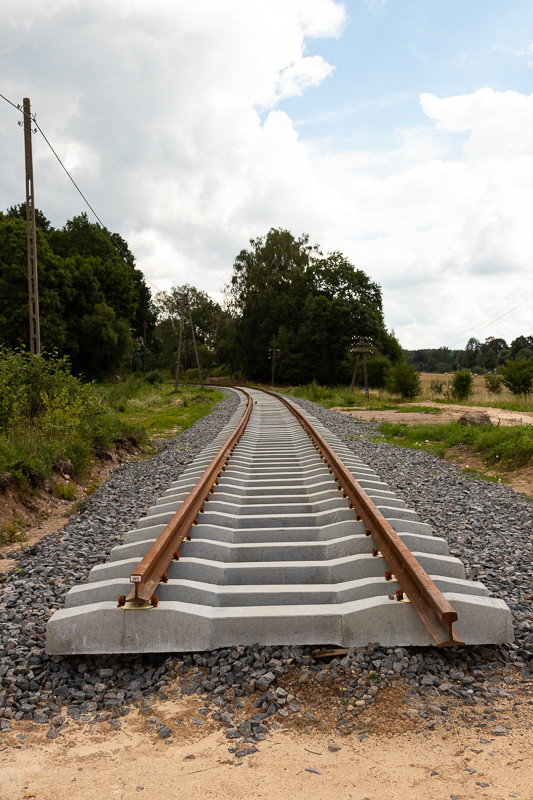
<point x="170" y="117"/>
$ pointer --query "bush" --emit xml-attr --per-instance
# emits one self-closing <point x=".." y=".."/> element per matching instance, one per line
<point x="436" y="387"/>
<point x="405" y="380"/>
<point x="518" y="376"/>
<point x="155" y="377"/>
<point x="494" y="384"/>
<point x="462" y="384"/>
<point x="46" y="415"/>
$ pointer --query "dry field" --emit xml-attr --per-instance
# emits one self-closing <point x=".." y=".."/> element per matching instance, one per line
<point x="480" y="394"/>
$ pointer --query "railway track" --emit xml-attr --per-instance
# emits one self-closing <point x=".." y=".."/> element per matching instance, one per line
<point x="280" y="535"/>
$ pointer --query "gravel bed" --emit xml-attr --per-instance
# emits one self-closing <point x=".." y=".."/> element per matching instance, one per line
<point x="487" y="525"/>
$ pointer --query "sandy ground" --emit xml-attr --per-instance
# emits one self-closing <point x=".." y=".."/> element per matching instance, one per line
<point x="450" y="413"/>
<point x="396" y="758"/>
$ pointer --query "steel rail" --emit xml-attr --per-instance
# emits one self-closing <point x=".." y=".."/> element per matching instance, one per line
<point x="151" y="571"/>
<point x="433" y="608"/>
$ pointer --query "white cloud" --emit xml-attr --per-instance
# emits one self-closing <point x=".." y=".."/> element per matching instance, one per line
<point x="169" y="117"/>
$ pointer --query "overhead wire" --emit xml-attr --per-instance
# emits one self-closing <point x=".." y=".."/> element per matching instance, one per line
<point x="104" y="228"/>
<point x="503" y="313"/>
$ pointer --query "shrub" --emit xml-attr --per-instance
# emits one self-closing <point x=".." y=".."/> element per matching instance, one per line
<point x="518" y="376"/>
<point x="494" y="384"/>
<point x="462" y="384"/>
<point x="405" y="380"/>
<point x="47" y="415"/>
<point x="436" y="387"/>
<point x="155" y="377"/>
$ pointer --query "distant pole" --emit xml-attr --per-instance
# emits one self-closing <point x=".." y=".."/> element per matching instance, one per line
<point x="194" y="343"/>
<point x="33" y="283"/>
<point x="354" y="375"/>
<point x="363" y="346"/>
<point x="144" y="348"/>
<point x="272" y="353"/>
<point x="179" y="350"/>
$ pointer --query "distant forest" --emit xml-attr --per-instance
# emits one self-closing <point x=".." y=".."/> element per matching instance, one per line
<point x="478" y="357"/>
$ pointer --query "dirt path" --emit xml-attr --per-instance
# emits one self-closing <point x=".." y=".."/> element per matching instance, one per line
<point x="397" y="758"/>
<point x="446" y="413"/>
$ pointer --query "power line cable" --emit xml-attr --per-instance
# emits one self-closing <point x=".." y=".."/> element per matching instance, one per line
<point x="104" y="228"/>
<point x="502" y="315"/>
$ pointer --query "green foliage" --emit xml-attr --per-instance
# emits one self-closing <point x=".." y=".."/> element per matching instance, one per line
<point x="518" y="376"/>
<point x="67" y="491"/>
<point x="494" y="383"/>
<point x="462" y="384"/>
<point x="212" y="329"/>
<point x="47" y="415"/>
<point x="405" y="380"/>
<point x="92" y="299"/>
<point x="330" y="396"/>
<point x="155" y="377"/>
<point x="436" y="387"/>
<point x="507" y="446"/>
<point x="304" y="309"/>
<point x="158" y="407"/>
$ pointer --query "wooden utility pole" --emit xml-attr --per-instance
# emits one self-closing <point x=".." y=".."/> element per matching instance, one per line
<point x="362" y="347"/>
<point x="144" y="348"/>
<point x="179" y="348"/>
<point x="194" y="343"/>
<point x="33" y="283"/>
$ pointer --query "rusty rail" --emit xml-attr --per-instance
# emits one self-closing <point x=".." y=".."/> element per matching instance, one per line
<point x="152" y="569"/>
<point x="434" y="610"/>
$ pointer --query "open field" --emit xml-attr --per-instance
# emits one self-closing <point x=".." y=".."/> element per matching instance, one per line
<point x="480" y="395"/>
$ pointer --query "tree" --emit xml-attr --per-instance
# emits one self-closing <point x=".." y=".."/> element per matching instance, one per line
<point x="104" y="343"/>
<point x="520" y="343"/>
<point x="268" y="290"/>
<point x="405" y="380"/>
<point x="313" y="306"/>
<point x="462" y="384"/>
<point x="472" y="349"/>
<point x="209" y="322"/>
<point x="80" y="270"/>
<point x="490" y="352"/>
<point x="518" y="376"/>
<point x="494" y="383"/>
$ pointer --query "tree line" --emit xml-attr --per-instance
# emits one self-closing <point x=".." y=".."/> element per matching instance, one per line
<point x="478" y="357"/>
<point x="290" y="310"/>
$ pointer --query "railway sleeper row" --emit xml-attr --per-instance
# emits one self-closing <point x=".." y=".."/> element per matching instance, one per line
<point x="278" y="557"/>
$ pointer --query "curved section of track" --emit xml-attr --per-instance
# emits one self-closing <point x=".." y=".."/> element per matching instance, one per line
<point x="278" y="557"/>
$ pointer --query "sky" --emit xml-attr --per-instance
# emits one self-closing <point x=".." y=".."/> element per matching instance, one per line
<point x="398" y="132"/>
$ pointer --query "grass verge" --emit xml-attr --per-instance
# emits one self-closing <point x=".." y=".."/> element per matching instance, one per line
<point x="330" y="396"/>
<point x="50" y="421"/>
<point x="160" y="410"/>
<point x="508" y="447"/>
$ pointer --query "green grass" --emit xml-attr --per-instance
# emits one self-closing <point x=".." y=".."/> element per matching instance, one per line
<point x="158" y="409"/>
<point x="330" y="396"/>
<point x="506" y="446"/>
